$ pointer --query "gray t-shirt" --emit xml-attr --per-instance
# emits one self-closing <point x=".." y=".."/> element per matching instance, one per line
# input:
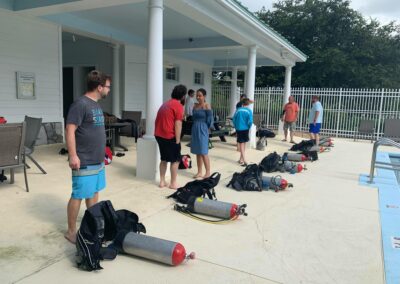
<point x="90" y="135"/>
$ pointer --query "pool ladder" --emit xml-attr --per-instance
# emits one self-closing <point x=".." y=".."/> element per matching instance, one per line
<point x="382" y="165"/>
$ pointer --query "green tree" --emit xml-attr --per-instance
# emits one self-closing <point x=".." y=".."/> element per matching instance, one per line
<point x="344" y="49"/>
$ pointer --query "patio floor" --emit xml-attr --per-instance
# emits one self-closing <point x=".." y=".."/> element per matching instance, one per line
<point x="324" y="230"/>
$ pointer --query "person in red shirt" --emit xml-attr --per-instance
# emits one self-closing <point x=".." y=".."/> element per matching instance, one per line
<point x="168" y="128"/>
<point x="289" y="117"/>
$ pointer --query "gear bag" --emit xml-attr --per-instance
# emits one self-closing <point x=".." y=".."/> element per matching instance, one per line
<point x="270" y="163"/>
<point x="304" y="145"/>
<point x="100" y="224"/>
<point x="185" y="162"/>
<point x="197" y="188"/>
<point x="250" y="179"/>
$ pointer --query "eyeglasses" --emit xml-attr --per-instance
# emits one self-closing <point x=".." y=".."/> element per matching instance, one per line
<point x="109" y="86"/>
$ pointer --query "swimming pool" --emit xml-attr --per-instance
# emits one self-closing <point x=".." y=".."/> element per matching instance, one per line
<point x="388" y="183"/>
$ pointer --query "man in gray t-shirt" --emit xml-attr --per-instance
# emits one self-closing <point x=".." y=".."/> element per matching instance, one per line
<point x="86" y="141"/>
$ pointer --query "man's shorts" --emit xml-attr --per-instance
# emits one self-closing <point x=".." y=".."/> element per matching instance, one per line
<point x="169" y="150"/>
<point x="289" y="125"/>
<point x="315" y="128"/>
<point x="87" y="181"/>
<point x="242" y="136"/>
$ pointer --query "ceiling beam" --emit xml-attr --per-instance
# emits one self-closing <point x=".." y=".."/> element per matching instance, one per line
<point x="223" y="63"/>
<point x="200" y="43"/>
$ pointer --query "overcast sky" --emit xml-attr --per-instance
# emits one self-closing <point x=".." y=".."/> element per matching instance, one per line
<point x="383" y="10"/>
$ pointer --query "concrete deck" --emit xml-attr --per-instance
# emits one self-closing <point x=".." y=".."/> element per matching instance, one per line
<point x="324" y="230"/>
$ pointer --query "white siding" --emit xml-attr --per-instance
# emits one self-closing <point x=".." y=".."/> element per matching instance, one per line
<point x="135" y="77"/>
<point x="30" y="45"/>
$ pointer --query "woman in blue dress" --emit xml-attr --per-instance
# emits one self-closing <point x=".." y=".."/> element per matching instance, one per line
<point x="202" y="121"/>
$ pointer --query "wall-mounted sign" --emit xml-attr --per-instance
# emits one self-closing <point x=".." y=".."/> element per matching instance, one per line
<point x="26" y="85"/>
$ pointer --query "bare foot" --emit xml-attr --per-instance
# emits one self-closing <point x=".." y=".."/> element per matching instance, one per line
<point x="198" y="175"/>
<point x="206" y="175"/>
<point x="163" y="184"/>
<point x="173" y="186"/>
<point x="71" y="237"/>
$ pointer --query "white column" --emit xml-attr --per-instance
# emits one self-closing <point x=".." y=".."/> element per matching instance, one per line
<point x="115" y="83"/>
<point x="251" y="73"/>
<point x="286" y="93"/>
<point x="233" y="99"/>
<point x="250" y="86"/>
<point x="154" y="96"/>
<point x="288" y="82"/>
<point x="148" y="157"/>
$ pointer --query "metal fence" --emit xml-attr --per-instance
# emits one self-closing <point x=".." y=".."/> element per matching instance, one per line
<point x="343" y="108"/>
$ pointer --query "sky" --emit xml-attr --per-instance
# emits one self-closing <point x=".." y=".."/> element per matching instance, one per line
<point x="382" y="10"/>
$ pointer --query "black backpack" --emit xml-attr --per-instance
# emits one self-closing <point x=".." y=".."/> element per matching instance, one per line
<point x="265" y="132"/>
<point x="250" y="179"/>
<point x="311" y="155"/>
<point x="100" y="224"/>
<point x="304" y="145"/>
<point x="197" y="188"/>
<point x="270" y="163"/>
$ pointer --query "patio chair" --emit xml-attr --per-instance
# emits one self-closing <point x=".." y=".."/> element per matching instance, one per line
<point x="12" y="138"/>
<point x="392" y="129"/>
<point x="365" y="126"/>
<point x="33" y="125"/>
<point x="134" y="117"/>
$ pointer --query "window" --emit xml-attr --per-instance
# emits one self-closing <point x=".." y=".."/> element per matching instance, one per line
<point x="199" y="78"/>
<point x="172" y="73"/>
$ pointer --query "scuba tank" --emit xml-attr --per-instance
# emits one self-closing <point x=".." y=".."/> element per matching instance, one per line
<point x="152" y="248"/>
<point x="296" y="157"/>
<point x="276" y="183"/>
<point x="213" y="208"/>
<point x="293" y="167"/>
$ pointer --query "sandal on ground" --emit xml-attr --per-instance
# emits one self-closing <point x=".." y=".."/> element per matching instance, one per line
<point x="284" y="140"/>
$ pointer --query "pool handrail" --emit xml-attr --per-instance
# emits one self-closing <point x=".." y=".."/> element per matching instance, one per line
<point x="382" y="165"/>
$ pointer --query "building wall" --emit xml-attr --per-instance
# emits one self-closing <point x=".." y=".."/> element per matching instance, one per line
<point x="85" y="52"/>
<point x="134" y="81"/>
<point x="30" y="45"/>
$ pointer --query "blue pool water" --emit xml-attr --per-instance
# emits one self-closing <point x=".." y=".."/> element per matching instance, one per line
<point x="388" y="182"/>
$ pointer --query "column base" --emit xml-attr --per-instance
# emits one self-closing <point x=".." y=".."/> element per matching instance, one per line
<point x="253" y="139"/>
<point x="280" y="128"/>
<point x="148" y="159"/>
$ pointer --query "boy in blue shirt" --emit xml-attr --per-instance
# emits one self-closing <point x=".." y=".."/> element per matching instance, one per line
<point x="243" y="120"/>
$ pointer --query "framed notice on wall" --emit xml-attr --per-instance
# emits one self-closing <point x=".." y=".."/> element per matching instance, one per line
<point x="26" y="85"/>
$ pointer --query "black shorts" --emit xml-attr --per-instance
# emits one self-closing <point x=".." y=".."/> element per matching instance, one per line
<point x="242" y="136"/>
<point x="169" y="150"/>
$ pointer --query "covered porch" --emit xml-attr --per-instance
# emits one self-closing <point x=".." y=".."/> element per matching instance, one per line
<point x="324" y="230"/>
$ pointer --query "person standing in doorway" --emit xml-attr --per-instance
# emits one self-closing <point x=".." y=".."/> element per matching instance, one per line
<point x="189" y="103"/>
<point x="86" y="142"/>
<point x="243" y="120"/>
<point x="168" y="128"/>
<point x="202" y="122"/>
<point x="289" y="118"/>
<point x="315" y="119"/>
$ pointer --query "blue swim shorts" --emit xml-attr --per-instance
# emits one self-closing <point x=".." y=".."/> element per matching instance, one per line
<point x="315" y="128"/>
<point x="87" y="181"/>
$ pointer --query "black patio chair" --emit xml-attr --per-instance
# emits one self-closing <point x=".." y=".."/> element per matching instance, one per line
<point x="392" y="129"/>
<point x="33" y="125"/>
<point x="365" y="127"/>
<point x="12" y="138"/>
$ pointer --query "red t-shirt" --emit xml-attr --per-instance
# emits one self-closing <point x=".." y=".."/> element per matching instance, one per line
<point x="168" y="113"/>
<point x="291" y="110"/>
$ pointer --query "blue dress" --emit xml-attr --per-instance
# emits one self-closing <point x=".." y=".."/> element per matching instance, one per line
<point x="202" y="121"/>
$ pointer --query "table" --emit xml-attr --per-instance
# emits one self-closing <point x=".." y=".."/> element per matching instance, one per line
<point x="116" y="136"/>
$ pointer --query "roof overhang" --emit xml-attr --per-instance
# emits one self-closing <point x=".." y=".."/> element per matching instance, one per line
<point x="208" y="31"/>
